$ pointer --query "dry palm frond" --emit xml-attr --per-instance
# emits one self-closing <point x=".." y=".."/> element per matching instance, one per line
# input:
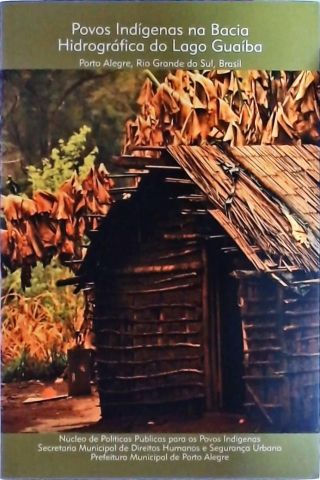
<point x="50" y="224"/>
<point x="240" y="108"/>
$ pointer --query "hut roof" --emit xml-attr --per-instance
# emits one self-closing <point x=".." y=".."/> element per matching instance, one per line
<point x="265" y="197"/>
<point x="242" y="137"/>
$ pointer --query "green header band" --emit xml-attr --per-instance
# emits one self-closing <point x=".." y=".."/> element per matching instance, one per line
<point x="160" y="455"/>
<point x="162" y="35"/>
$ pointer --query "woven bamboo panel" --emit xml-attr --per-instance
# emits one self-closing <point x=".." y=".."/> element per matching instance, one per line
<point x="281" y="353"/>
<point x="148" y="320"/>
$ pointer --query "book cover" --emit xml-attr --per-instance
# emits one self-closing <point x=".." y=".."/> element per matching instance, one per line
<point x="160" y="239"/>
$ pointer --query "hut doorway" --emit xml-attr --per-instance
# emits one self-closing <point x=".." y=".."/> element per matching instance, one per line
<point x="224" y="332"/>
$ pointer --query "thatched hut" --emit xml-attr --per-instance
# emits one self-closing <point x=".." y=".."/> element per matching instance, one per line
<point x="205" y="283"/>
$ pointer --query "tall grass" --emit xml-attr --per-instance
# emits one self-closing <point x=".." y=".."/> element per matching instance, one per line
<point x="38" y="325"/>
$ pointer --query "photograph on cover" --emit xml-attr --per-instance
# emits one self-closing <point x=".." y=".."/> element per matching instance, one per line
<point x="159" y="250"/>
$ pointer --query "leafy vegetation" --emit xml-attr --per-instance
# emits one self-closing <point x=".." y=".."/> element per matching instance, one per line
<point x="38" y="324"/>
<point x="62" y="162"/>
<point x="42" y="106"/>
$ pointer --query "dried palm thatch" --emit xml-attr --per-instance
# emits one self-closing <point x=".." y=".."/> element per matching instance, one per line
<point x="50" y="224"/>
<point x="262" y="182"/>
<point x="240" y="108"/>
<point x="265" y="197"/>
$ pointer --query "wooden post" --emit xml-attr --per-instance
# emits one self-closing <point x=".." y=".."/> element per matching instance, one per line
<point x="218" y="335"/>
<point x="285" y="391"/>
<point x="79" y="371"/>
<point x="206" y="332"/>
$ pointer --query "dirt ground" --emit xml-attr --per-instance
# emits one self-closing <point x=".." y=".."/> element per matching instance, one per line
<point x="48" y="416"/>
<point x="83" y="414"/>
